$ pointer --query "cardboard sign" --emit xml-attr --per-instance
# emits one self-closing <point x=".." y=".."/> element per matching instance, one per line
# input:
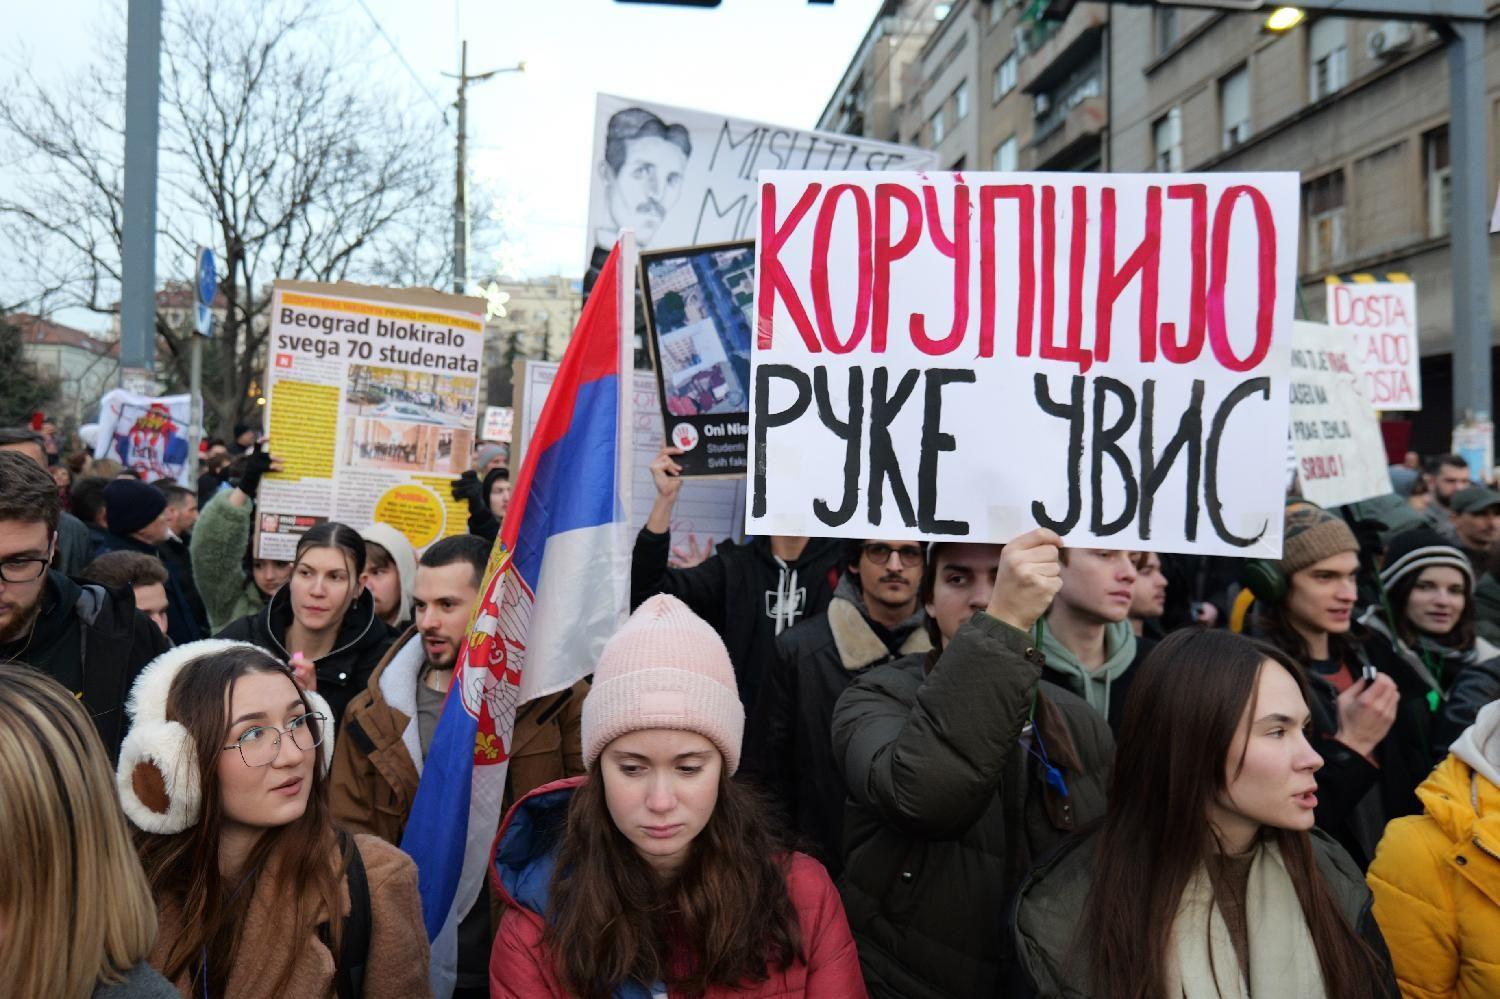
<point x="966" y="356"/>
<point x="680" y="177"/>
<point x="707" y="511"/>
<point x="148" y="434"/>
<point x="372" y="395"/>
<point x="497" y="424"/>
<point x="699" y="305"/>
<point x="1340" y="453"/>
<point x="1383" y="316"/>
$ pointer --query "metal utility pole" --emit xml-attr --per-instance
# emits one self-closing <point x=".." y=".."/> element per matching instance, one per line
<point x="461" y="179"/>
<point x="138" y="242"/>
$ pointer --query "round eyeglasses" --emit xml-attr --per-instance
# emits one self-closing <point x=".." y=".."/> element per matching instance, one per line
<point x="258" y="746"/>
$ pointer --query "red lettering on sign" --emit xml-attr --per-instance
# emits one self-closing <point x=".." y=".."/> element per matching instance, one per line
<point x="1218" y="331"/>
<point x="822" y="300"/>
<point x="773" y="277"/>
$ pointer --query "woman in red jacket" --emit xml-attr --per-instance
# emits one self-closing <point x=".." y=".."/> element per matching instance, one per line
<point x="656" y="876"/>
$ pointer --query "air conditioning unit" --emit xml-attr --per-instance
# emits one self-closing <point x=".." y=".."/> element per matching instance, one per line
<point x="1389" y="39"/>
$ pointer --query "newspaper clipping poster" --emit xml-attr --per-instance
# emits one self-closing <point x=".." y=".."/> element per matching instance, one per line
<point x="372" y="397"/>
<point x="698" y="316"/>
<point x="1340" y="454"/>
<point x="970" y="355"/>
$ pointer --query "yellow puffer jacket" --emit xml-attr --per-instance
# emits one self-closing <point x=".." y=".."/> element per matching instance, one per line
<point x="1436" y="880"/>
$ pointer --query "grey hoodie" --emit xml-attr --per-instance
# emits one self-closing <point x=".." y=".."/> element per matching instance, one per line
<point x="1092" y="684"/>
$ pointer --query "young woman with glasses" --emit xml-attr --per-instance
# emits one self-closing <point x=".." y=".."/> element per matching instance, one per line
<point x="224" y="773"/>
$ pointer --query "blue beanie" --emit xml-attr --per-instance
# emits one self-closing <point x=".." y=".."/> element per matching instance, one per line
<point x="130" y="504"/>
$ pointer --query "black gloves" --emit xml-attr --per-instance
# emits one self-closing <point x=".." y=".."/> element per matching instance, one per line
<point x="256" y="465"/>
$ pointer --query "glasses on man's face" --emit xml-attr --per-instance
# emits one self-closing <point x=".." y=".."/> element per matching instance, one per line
<point x="22" y="570"/>
<point x="880" y="554"/>
<point x="258" y="746"/>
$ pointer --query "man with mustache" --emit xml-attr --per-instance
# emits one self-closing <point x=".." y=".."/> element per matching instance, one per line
<point x="874" y="617"/>
<point x="644" y="163"/>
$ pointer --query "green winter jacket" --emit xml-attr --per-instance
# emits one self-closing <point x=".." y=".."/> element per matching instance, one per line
<point x="220" y="539"/>
<point x="947" y="807"/>
<point x="1048" y="917"/>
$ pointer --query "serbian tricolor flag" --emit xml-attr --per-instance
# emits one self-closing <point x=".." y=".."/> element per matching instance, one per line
<point x="557" y="586"/>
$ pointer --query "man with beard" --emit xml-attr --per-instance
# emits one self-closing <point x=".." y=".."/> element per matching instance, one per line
<point x="388" y="729"/>
<point x="86" y="636"/>
<point x="873" y="618"/>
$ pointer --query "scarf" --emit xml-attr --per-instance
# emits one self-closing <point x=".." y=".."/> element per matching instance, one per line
<point x="1283" y="961"/>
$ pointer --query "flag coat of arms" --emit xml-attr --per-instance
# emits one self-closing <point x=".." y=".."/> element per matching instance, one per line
<point x="555" y="589"/>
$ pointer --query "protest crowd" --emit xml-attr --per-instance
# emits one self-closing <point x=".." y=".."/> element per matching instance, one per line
<point x="803" y="766"/>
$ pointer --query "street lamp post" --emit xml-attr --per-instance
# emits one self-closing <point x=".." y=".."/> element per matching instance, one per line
<point x="461" y="180"/>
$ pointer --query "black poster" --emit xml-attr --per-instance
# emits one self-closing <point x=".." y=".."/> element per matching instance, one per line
<point x="699" y="307"/>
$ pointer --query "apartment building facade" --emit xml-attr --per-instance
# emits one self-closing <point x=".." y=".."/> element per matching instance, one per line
<point x="1359" y="108"/>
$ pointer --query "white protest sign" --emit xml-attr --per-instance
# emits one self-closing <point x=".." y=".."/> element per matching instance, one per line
<point x="681" y="177"/>
<point x="497" y="424"/>
<point x="1340" y="453"/>
<point x="966" y="356"/>
<point x="708" y="510"/>
<point x="148" y="434"/>
<point x="371" y="399"/>
<point x="1383" y="316"/>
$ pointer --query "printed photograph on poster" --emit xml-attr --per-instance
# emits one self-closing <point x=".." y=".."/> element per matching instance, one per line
<point x="685" y="177"/>
<point x="699" y="304"/>
<point x="407" y="447"/>
<point x="421" y="396"/>
<point x="277" y="534"/>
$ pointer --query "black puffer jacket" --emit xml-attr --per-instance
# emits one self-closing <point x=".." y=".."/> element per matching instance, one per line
<point x="93" y="641"/>
<point x="744" y="592"/>
<point x="788" y="740"/>
<point x="361" y="643"/>
<point x="948" y="807"/>
<point x="1049" y="912"/>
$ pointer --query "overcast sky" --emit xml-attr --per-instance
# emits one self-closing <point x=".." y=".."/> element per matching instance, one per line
<point x="530" y="134"/>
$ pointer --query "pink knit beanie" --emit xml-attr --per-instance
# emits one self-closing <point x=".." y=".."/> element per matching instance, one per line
<point x="665" y="668"/>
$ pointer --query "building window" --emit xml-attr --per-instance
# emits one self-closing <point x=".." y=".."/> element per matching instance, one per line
<point x="1005" y="156"/>
<point x="1324" y="199"/>
<point x="1439" y="177"/>
<point x="1234" y="107"/>
<point x="997" y="11"/>
<point x="1166" y="136"/>
<point x="1327" y="57"/>
<point x="1005" y="76"/>
<point x="961" y="102"/>
<point x="1166" y="28"/>
<point x="935" y="124"/>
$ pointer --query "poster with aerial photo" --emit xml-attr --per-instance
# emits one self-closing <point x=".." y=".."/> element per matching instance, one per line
<point x="699" y="305"/>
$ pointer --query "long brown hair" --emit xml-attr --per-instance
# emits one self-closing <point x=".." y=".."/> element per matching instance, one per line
<point x="728" y="911"/>
<point x="1273" y="623"/>
<point x="1179" y="731"/>
<point x="183" y="868"/>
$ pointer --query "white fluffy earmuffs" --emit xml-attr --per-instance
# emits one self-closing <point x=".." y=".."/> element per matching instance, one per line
<point x="157" y="776"/>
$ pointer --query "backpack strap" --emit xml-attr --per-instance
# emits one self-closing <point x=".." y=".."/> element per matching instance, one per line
<point x="354" y="941"/>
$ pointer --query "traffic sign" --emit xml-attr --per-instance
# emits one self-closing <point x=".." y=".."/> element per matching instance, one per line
<point x="205" y="287"/>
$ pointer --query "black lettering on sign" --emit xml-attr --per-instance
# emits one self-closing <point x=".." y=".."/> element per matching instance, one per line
<point x="851" y="431"/>
<point x="765" y="420"/>
<point x="1241" y="392"/>
<point x="1072" y="411"/>
<point x="884" y="405"/>
<point x="934" y="442"/>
